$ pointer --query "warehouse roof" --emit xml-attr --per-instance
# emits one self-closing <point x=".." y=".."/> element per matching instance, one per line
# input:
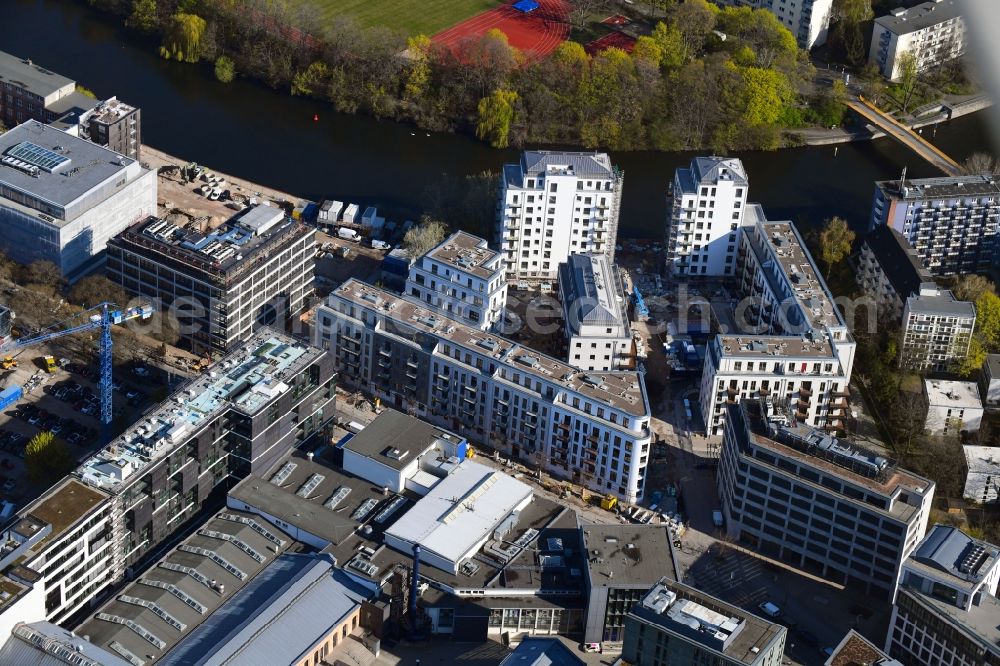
<point x="34" y="78"/>
<point x="46" y="644"/>
<point x="395" y="439"/>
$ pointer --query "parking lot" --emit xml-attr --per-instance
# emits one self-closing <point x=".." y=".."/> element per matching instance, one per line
<point x="66" y="403"/>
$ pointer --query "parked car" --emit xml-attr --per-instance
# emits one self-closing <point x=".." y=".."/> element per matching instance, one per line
<point x="770" y="609"/>
<point x="141" y="371"/>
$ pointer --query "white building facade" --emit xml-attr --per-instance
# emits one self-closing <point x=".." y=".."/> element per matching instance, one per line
<point x="934" y="32"/>
<point x="821" y="504"/>
<point x="799" y="351"/>
<point x="982" y="474"/>
<point x="952" y="406"/>
<point x="553" y="205"/>
<point x="463" y="278"/>
<point x="706" y="213"/>
<point x="589" y="427"/>
<point x="598" y="335"/>
<point x="937" y="329"/>
<point x="946" y="612"/>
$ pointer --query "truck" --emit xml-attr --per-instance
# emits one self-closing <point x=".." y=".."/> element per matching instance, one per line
<point x="10" y="395"/>
<point x="348" y="234"/>
<point x="50" y="364"/>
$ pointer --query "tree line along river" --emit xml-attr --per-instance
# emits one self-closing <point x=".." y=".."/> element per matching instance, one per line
<point x="271" y="138"/>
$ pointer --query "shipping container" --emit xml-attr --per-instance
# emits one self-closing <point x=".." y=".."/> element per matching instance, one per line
<point x="10" y="395"/>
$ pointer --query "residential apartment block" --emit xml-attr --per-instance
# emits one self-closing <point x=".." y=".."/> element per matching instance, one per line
<point x="254" y="270"/>
<point x="707" y="200"/>
<point x="819" y="503"/>
<point x="950" y="222"/>
<point x="462" y="278"/>
<point x="590" y="427"/>
<point x="982" y="474"/>
<point x="28" y="89"/>
<point x="114" y="124"/>
<point x="62" y="198"/>
<point x="934" y="32"/>
<point x="952" y="406"/>
<point x="677" y="624"/>
<point x="889" y="271"/>
<point x="946" y="612"/>
<point x="553" y="205"/>
<point x="807" y="20"/>
<point x="87" y="531"/>
<point x="937" y="329"/>
<point x="595" y="323"/>
<point x="798" y="349"/>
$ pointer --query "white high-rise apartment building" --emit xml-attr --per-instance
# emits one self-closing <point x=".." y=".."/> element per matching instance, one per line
<point x="553" y="205"/>
<point x="946" y="612"/>
<point x="706" y="213"/>
<point x="797" y="348"/>
<point x="598" y="336"/>
<point x="807" y="20"/>
<point x="822" y="504"/>
<point x="933" y="31"/>
<point x="463" y="278"/>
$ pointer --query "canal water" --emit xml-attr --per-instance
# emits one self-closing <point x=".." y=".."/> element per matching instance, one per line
<point x="271" y="138"/>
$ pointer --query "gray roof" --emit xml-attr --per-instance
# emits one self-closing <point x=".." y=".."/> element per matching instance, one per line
<point x="542" y="652"/>
<point x="534" y="162"/>
<point x="992" y="366"/>
<point x="941" y="188"/>
<point x="589" y="287"/>
<point x="22" y="649"/>
<point x="172" y="597"/>
<point x="898" y="260"/>
<point x="951" y="551"/>
<point x="290" y="606"/>
<point x="627" y="556"/>
<point x="920" y="17"/>
<point x="710" y="169"/>
<point x="75" y="102"/>
<point x="89" y="164"/>
<point x="392" y="430"/>
<point x="25" y="74"/>
<point x="941" y="303"/>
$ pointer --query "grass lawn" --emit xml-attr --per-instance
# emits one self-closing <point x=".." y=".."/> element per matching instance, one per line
<point x="410" y="16"/>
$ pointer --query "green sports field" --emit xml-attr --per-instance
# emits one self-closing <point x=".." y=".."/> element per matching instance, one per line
<point x="410" y="16"/>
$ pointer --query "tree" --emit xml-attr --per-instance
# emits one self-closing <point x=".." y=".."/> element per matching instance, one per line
<point x="496" y="113"/>
<point x="835" y="242"/>
<point x="848" y="31"/>
<point x="225" y="69"/>
<point x="86" y="92"/>
<point x="144" y="16"/>
<point x="43" y="273"/>
<point x="970" y="287"/>
<point x="981" y="163"/>
<point x="766" y="93"/>
<point x="762" y="32"/>
<point x="648" y="49"/>
<point x="988" y="320"/>
<point x="418" y="49"/>
<point x="310" y="81"/>
<point x="909" y="76"/>
<point x="695" y="20"/>
<point x="973" y="360"/>
<point x="671" y="43"/>
<point x="424" y="237"/>
<point x="182" y="38"/>
<point x="95" y="289"/>
<point x="47" y="458"/>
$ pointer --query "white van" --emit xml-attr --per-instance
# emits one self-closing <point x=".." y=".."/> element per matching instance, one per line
<point x="770" y="609"/>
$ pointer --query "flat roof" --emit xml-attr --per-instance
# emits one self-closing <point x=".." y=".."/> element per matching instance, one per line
<point x="295" y="602"/>
<point x="916" y="189"/>
<point x="245" y="380"/>
<point x="936" y="301"/>
<point x="168" y="600"/>
<point x="24" y="73"/>
<point x="952" y="394"/>
<point x="111" y="111"/>
<point x="627" y="555"/>
<point x="539" y="651"/>
<point x="395" y="439"/>
<point x="992" y="365"/>
<point x="981" y="622"/>
<point x="61" y="507"/>
<point x="898" y="260"/>
<point x="223" y="251"/>
<point x="982" y="459"/>
<point x="469" y="254"/>
<point x="777" y="347"/>
<point x="84" y="165"/>
<point x="591" y="292"/>
<point x="904" y="21"/>
<point x="621" y="390"/>
<point x="719" y="626"/>
<point x="461" y="510"/>
<point x="890" y="479"/>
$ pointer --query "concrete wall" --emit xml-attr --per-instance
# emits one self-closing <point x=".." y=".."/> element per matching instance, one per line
<point x="379" y="474"/>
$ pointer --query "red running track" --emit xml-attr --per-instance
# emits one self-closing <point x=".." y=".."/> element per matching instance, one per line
<point x="537" y="33"/>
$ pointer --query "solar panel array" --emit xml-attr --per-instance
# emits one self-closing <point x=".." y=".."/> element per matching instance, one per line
<point x="35" y="155"/>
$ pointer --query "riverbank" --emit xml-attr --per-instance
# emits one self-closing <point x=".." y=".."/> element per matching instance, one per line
<point x="929" y="115"/>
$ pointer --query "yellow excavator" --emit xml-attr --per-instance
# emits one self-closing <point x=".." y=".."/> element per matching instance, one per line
<point x="8" y="362"/>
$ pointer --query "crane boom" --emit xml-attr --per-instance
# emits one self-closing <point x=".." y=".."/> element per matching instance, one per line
<point x="103" y="318"/>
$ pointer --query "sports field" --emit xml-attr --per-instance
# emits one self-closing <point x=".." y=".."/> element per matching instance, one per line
<point x="413" y="17"/>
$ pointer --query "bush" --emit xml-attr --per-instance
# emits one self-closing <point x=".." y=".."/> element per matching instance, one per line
<point x="225" y="69"/>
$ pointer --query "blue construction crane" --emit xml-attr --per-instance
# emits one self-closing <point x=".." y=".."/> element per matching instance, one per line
<point x="640" y="304"/>
<point x="103" y="318"/>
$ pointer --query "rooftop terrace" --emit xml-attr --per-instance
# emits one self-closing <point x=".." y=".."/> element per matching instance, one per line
<point x="244" y="380"/>
<point x="621" y="390"/>
<point x="469" y="254"/>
